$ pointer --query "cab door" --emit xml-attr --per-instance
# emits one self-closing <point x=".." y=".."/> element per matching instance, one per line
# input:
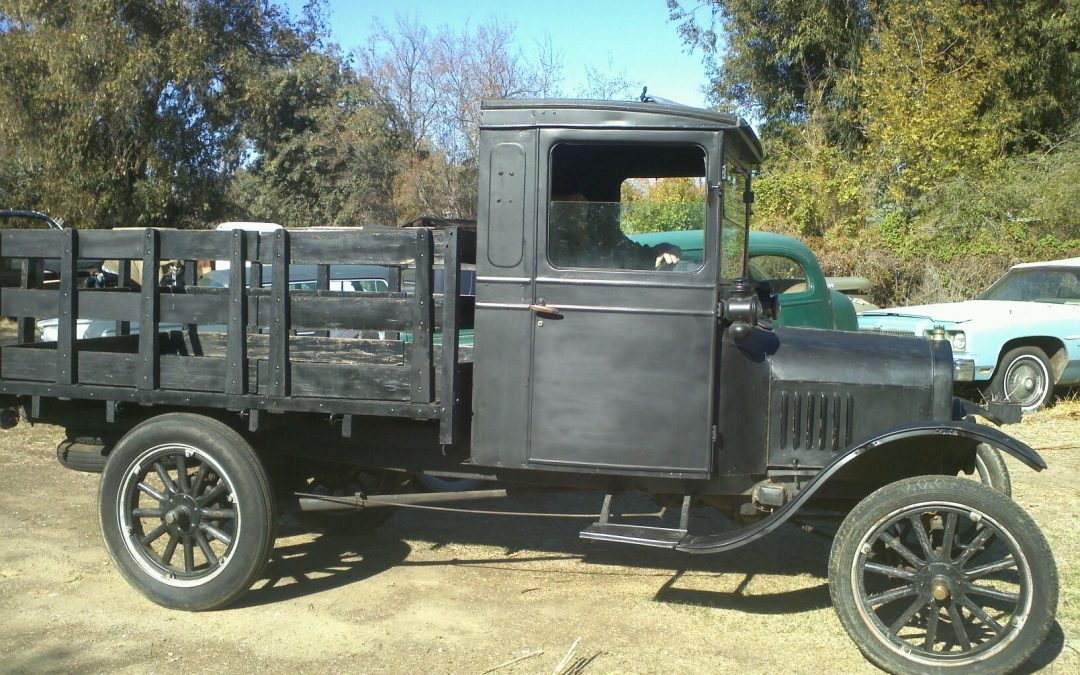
<point x="624" y="342"/>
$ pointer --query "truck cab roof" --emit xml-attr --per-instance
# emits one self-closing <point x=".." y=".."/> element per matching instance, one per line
<point x="584" y="114"/>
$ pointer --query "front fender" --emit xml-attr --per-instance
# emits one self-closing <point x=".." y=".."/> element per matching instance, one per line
<point x="975" y="432"/>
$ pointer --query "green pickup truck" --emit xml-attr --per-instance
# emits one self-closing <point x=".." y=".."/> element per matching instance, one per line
<point x="788" y="266"/>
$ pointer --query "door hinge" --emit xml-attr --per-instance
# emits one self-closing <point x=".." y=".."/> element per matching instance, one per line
<point x="715" y="436"/>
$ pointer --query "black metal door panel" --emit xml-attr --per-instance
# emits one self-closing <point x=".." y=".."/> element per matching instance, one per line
<point x="623" y="388"/>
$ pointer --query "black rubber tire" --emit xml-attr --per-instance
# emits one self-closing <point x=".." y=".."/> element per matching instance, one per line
<point x="974" y="509"/>
<point x="235" y="488"/>
<point x="83" y="454"/>
<point x="1009" y="383"/>
<point x="990" y="468"/>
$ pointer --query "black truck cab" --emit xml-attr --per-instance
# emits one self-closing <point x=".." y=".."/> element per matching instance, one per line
<point x="588" y="354"/>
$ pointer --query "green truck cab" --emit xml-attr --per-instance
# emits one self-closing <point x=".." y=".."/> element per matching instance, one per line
<point x="790" y="269"/>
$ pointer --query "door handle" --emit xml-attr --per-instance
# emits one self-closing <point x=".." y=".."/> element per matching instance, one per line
<point x="545" y="310"/>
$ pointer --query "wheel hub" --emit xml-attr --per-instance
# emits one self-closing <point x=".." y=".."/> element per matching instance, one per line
<point x="182" y="514"/>
<point x="940" y="580"/>
<point x="939" y="588"/>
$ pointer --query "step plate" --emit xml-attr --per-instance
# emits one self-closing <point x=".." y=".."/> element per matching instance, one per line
<point x="658" y="537"/>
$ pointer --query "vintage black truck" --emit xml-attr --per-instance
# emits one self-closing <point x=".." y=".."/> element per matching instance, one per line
<point x="598" y="364"/>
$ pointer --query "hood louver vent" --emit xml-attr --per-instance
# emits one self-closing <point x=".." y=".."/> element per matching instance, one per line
<point x="814" y="422"/>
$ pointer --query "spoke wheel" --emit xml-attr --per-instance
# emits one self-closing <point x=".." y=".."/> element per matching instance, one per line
<point x="187" y="511"/>
<point x="935" y="574"/>
<point x="178" y="509"/>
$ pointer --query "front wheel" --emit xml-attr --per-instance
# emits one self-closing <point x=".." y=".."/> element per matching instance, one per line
<point x="186" y="511"/>
<point x="937" y="574"/>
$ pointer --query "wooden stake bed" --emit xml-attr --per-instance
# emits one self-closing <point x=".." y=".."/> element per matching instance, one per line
<point x="257" y="346"/>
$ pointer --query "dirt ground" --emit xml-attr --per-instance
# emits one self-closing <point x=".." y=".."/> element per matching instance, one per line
<point x="446" y="593"/>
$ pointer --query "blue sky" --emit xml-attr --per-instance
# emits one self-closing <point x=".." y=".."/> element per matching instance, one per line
<point x="633" y="36"/>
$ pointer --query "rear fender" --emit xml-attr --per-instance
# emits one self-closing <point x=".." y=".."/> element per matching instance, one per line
<point x="975" y="433"/>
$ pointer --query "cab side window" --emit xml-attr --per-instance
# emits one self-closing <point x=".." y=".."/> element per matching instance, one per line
<point x="604" y="197"/>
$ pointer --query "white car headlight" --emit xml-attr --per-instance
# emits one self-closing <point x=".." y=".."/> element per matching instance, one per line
<point x="958" y="340"/>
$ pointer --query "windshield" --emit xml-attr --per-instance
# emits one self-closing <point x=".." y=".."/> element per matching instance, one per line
<point x="1038" y="284"/>
<point x="733" y="223"/>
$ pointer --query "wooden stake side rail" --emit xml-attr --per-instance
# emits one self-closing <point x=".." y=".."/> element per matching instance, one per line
<point x="239" y="348"/>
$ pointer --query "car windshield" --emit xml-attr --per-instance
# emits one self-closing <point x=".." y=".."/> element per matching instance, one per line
<point x="1037" y="284"/>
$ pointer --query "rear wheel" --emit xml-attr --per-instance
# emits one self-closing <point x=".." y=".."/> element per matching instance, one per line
<point x="1023" y="376"/>
<point x="186" y="511"/>
<point x="938" y="574"/>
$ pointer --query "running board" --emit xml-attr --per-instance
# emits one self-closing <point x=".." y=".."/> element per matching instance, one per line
<point x="640" y="535"/>
<point x="658" y="537"/>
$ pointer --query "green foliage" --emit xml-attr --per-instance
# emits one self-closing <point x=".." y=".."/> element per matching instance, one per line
<point x="120" y="113"/>
<point x="662" y="205"/>
<point x="326" y="150"/>
<point x="777" y="60"/>
<point x="931" y="103"/>
<point x="927" y="144"/>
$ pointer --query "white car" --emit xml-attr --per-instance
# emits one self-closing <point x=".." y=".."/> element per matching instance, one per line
<point x="1016" y="341"/>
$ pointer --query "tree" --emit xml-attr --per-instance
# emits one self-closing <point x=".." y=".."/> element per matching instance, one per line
<point x="773" y="59"/>
<point x="437" y="80"/>
<point x="325" y="148"/>
<point x="121" y="113"/>
<point x="610" y="84"/>
<point x="932" y="101"/>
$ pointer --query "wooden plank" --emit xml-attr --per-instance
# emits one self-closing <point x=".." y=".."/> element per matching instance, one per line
<point x="115" y="369"/>
<point x="193" y="308"/>
<point x="29" y="277"/>
<point x="279" y="326"/>
<point x="448" y="392"/>
<point x="193" y="373"/>
<point x="101" y="303"/>
<point x="423" y="375"/>
<point x="322" y="405"/>
<point x="110" y="244"/>
<point x="189" y="279"/>
<point x="28" y="302"/>
<point x="360" y="382"/>
<point x="67" y="356"/>
<point x="352" y="311"/>
<point x="322" y="283"/>
<point x="20" y="363"/>
<point x="194" y="244"/>
<point x="394" y="280"/>
<point x="236" y="340"/>
<point x="311" y="348"/>
<point x="31" y="243"/>
<point x="148" y="318"/>
<point x="348" y="350"/>
<point x="125" y="343"/>
<point x="363" y="246"/>
<point x="123" y="280"/>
